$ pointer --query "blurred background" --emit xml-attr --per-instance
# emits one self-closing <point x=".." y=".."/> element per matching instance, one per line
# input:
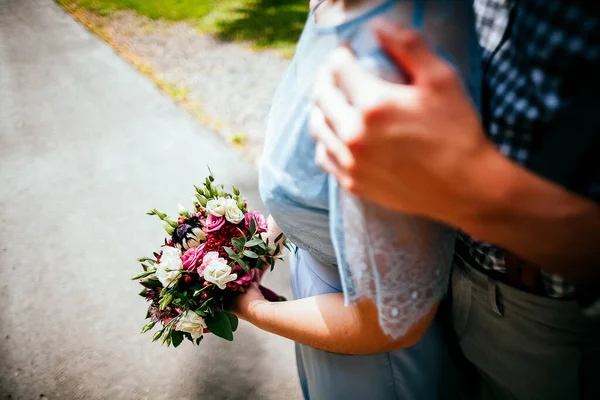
<point x="109" y="108"/>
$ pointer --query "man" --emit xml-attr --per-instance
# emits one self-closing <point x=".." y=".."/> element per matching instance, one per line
<point x="523" y="182"/>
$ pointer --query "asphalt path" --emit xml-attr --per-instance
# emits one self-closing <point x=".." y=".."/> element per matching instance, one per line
<point x="87" y="145"/>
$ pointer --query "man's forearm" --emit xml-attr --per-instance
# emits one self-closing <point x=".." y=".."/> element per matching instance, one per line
<point x="321" y="321"/>
<point x="533" y="218"/>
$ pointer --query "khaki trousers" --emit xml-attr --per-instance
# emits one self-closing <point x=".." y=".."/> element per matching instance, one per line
<point x="522" y="346"/>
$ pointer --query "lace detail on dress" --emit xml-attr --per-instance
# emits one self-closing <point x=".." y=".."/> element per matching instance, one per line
<point x="401" y="262"/>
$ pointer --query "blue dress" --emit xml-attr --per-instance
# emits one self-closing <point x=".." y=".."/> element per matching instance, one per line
<point x="297" y="193"/>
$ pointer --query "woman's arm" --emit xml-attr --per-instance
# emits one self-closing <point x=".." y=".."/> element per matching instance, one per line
<point x="326" y="323"/>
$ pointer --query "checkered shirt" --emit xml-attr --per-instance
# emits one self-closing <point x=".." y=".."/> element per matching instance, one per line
<point x="533" y="53"/>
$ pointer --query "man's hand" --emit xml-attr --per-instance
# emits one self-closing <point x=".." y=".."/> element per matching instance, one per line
<point x="420" y="148"/>
<point x="407" y="147"/>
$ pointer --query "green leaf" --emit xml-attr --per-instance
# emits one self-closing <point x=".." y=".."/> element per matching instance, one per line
<point x="199" y="340"/>
<point x="252" y="227"/>
<point x="238" y="243"/>
<point x="165" y="301"/>
<point x="143" y="274"/>
<point x="230" y="252"/>
<point x="177" y="338"/>
<point x="169" y="229"/>
<point x="205" y="306"/>
<point x="244" y="266"/>
<point x="250" y="254"/>
<point x="167" y="338"/>
<point x="143" y="292"/>
<point x="150" y="283"/>
<point x="278" y="238"/>
<point x="157" y="335"/>
<point x="200" y="313"/>
<point x="259" y="264"/>
<point x="254" y="242"/>
<point x="235" y="190"/>
<point x="277" y="249"/>
<point x="148" y="326"/>
<point x="289" y="245"/>
<point x="201" y="199"/>
<point x="199" y="291"/>
<point x="220" y="325"/>
<point x="233" y="320"/>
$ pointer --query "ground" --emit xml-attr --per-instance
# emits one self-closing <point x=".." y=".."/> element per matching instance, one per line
<point x="87" y="145"/>
<point x="222" y="61"/>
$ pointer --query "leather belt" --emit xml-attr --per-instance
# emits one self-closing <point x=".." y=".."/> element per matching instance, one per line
<point x="520" y="273"/>
<point x="523" y="274"/>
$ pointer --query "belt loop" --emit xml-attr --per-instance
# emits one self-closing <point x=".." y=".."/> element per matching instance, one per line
<point x="495" y="299"/>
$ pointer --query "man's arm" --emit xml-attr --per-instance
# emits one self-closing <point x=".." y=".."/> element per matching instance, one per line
<point x="531" y="217"/>
<point x="421" y="149"/>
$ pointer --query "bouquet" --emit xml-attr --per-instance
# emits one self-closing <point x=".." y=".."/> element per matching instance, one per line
<point x="211" y="256"/>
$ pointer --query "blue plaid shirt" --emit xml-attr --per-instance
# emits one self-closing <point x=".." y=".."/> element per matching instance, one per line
<point x="535" y="52"/>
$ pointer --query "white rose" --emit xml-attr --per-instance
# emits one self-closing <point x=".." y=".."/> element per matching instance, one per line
<point x="191" y="323"/>
<point x="218" y="273"/>
<point x="170" y="266"/>
<point x="233" y="213"/>
<point x="216" y="206"/>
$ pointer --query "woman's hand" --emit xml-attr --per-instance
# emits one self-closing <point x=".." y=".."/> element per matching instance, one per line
<point x="245" y="304"/>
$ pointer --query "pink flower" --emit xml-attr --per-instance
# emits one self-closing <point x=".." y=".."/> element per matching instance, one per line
<point x="244" y="278"/>
<point x="259" y="220"/>
<point x="191" y="257"/>
<point x="214" y="223"/>
<point x="208" y="258"/>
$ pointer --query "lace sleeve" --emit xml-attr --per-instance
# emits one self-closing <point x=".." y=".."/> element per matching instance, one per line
<point x="402" y="262"/>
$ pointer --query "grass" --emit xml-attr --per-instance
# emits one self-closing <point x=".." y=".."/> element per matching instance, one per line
<point x="265" y="24"/>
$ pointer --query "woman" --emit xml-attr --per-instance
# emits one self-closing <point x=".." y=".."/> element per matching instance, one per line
<point x="387" y="344"/>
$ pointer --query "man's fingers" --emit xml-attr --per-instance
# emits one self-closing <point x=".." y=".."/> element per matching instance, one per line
<point x="353" y="79"/>
<point x="410" y="51"/>
<point x="327" y="161"/>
